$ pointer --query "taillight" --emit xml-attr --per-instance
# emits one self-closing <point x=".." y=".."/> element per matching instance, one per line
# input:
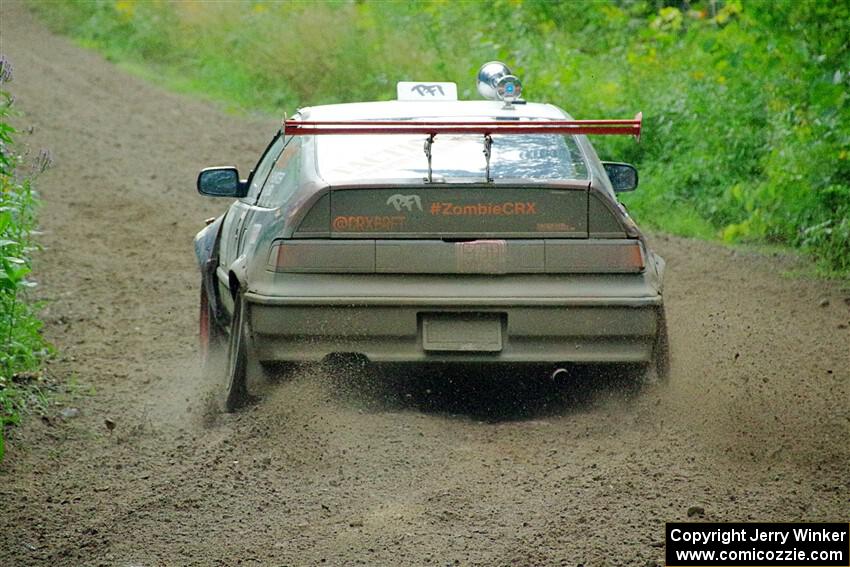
<point x="356" y="256"/>
<point x="594" y="256"/>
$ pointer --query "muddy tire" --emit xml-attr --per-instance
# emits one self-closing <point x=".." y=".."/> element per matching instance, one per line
<point x="659" y="367"/>
<point x="237" y="362"/>
<point x="211" y="337"/>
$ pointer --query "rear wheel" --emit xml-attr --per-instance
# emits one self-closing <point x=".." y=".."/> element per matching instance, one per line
<point x="210" y="335"/>
<point x="238" y="360"/>
<point x="659" y="367"/>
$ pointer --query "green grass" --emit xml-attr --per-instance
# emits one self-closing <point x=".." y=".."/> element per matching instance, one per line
<point x="22" y="348"/>
<point x="747" y="117"/>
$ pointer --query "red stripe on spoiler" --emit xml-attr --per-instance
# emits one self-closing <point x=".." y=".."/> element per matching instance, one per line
<point x="312" y="128"/>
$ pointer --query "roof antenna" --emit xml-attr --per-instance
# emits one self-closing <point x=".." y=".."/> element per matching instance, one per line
<point x="429" y="141"/>
<point x="488" y="144"/>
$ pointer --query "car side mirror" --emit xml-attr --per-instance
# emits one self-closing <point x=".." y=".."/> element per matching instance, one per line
<point x="624" y="177"/>
<point x="221" y="182"/>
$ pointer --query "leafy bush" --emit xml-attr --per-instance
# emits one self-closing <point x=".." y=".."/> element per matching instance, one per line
<point x="21" y="345"/>
<point x="747" y="127"/>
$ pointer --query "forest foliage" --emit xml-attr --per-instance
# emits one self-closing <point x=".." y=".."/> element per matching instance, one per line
<point x="747" y="118"/>
<point x="22" y="346"/>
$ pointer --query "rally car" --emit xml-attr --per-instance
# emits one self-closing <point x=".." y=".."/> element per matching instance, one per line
<point x="428" y="229"/>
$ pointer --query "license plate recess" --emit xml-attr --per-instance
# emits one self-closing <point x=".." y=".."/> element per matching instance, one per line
<point x="462" y="332"/>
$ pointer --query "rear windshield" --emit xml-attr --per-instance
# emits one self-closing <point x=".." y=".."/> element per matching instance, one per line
<point x="533" y="156"/>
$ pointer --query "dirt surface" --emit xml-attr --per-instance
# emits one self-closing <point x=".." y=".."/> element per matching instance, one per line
<point x="465" y="468"/>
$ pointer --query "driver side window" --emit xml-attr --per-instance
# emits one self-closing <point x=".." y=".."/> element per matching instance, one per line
<point x="263" y="169"/>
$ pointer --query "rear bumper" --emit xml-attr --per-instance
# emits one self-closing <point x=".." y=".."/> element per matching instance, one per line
<point x="543" y="318"/>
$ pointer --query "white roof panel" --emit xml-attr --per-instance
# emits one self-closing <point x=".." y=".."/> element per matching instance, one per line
<point x="395" y="109"/>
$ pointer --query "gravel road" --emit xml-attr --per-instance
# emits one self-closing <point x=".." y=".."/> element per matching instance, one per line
<point x="468" y="467"/>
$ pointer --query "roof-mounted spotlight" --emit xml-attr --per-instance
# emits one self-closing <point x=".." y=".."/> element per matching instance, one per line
<point x="496" y="82"/>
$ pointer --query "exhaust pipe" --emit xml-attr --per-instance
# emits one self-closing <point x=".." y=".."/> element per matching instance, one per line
<point x="560" y="373"/>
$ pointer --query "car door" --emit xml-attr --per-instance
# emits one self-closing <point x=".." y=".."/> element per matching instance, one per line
<point x="235" y="223"/>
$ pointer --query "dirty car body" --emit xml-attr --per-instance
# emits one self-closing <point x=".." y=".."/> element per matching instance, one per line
<point x="350" y="245"/>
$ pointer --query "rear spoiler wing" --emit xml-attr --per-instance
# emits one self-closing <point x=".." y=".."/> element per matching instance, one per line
<point x="487" y="129"/>
<point x="432" y="128"/>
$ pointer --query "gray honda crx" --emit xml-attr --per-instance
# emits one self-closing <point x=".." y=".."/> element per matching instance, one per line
<point x="428" y="229"/>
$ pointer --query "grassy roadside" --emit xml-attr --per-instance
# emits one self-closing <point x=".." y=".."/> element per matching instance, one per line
<point x="22" y="347"/>
<point x="746" y="104"/>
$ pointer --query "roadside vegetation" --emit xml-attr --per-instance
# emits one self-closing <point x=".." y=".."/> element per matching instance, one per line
<point x="22" y="347"/>
<point x="747" y="118"/>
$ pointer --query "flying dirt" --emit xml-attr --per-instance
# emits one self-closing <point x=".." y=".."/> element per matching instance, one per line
<point x="468" y="466"/>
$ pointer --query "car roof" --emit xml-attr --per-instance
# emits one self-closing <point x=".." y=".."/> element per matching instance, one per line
<point x="396" y="109"/>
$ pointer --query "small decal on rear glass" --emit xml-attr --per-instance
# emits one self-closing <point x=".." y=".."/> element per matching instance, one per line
<point x="504" y="209"/>
<point x="362" y="223"/>
<point x="405" y="202"/>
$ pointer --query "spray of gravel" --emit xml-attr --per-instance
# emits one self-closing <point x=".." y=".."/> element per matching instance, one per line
<point x="751" y="419"/>
<point x="183" y="396"/>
